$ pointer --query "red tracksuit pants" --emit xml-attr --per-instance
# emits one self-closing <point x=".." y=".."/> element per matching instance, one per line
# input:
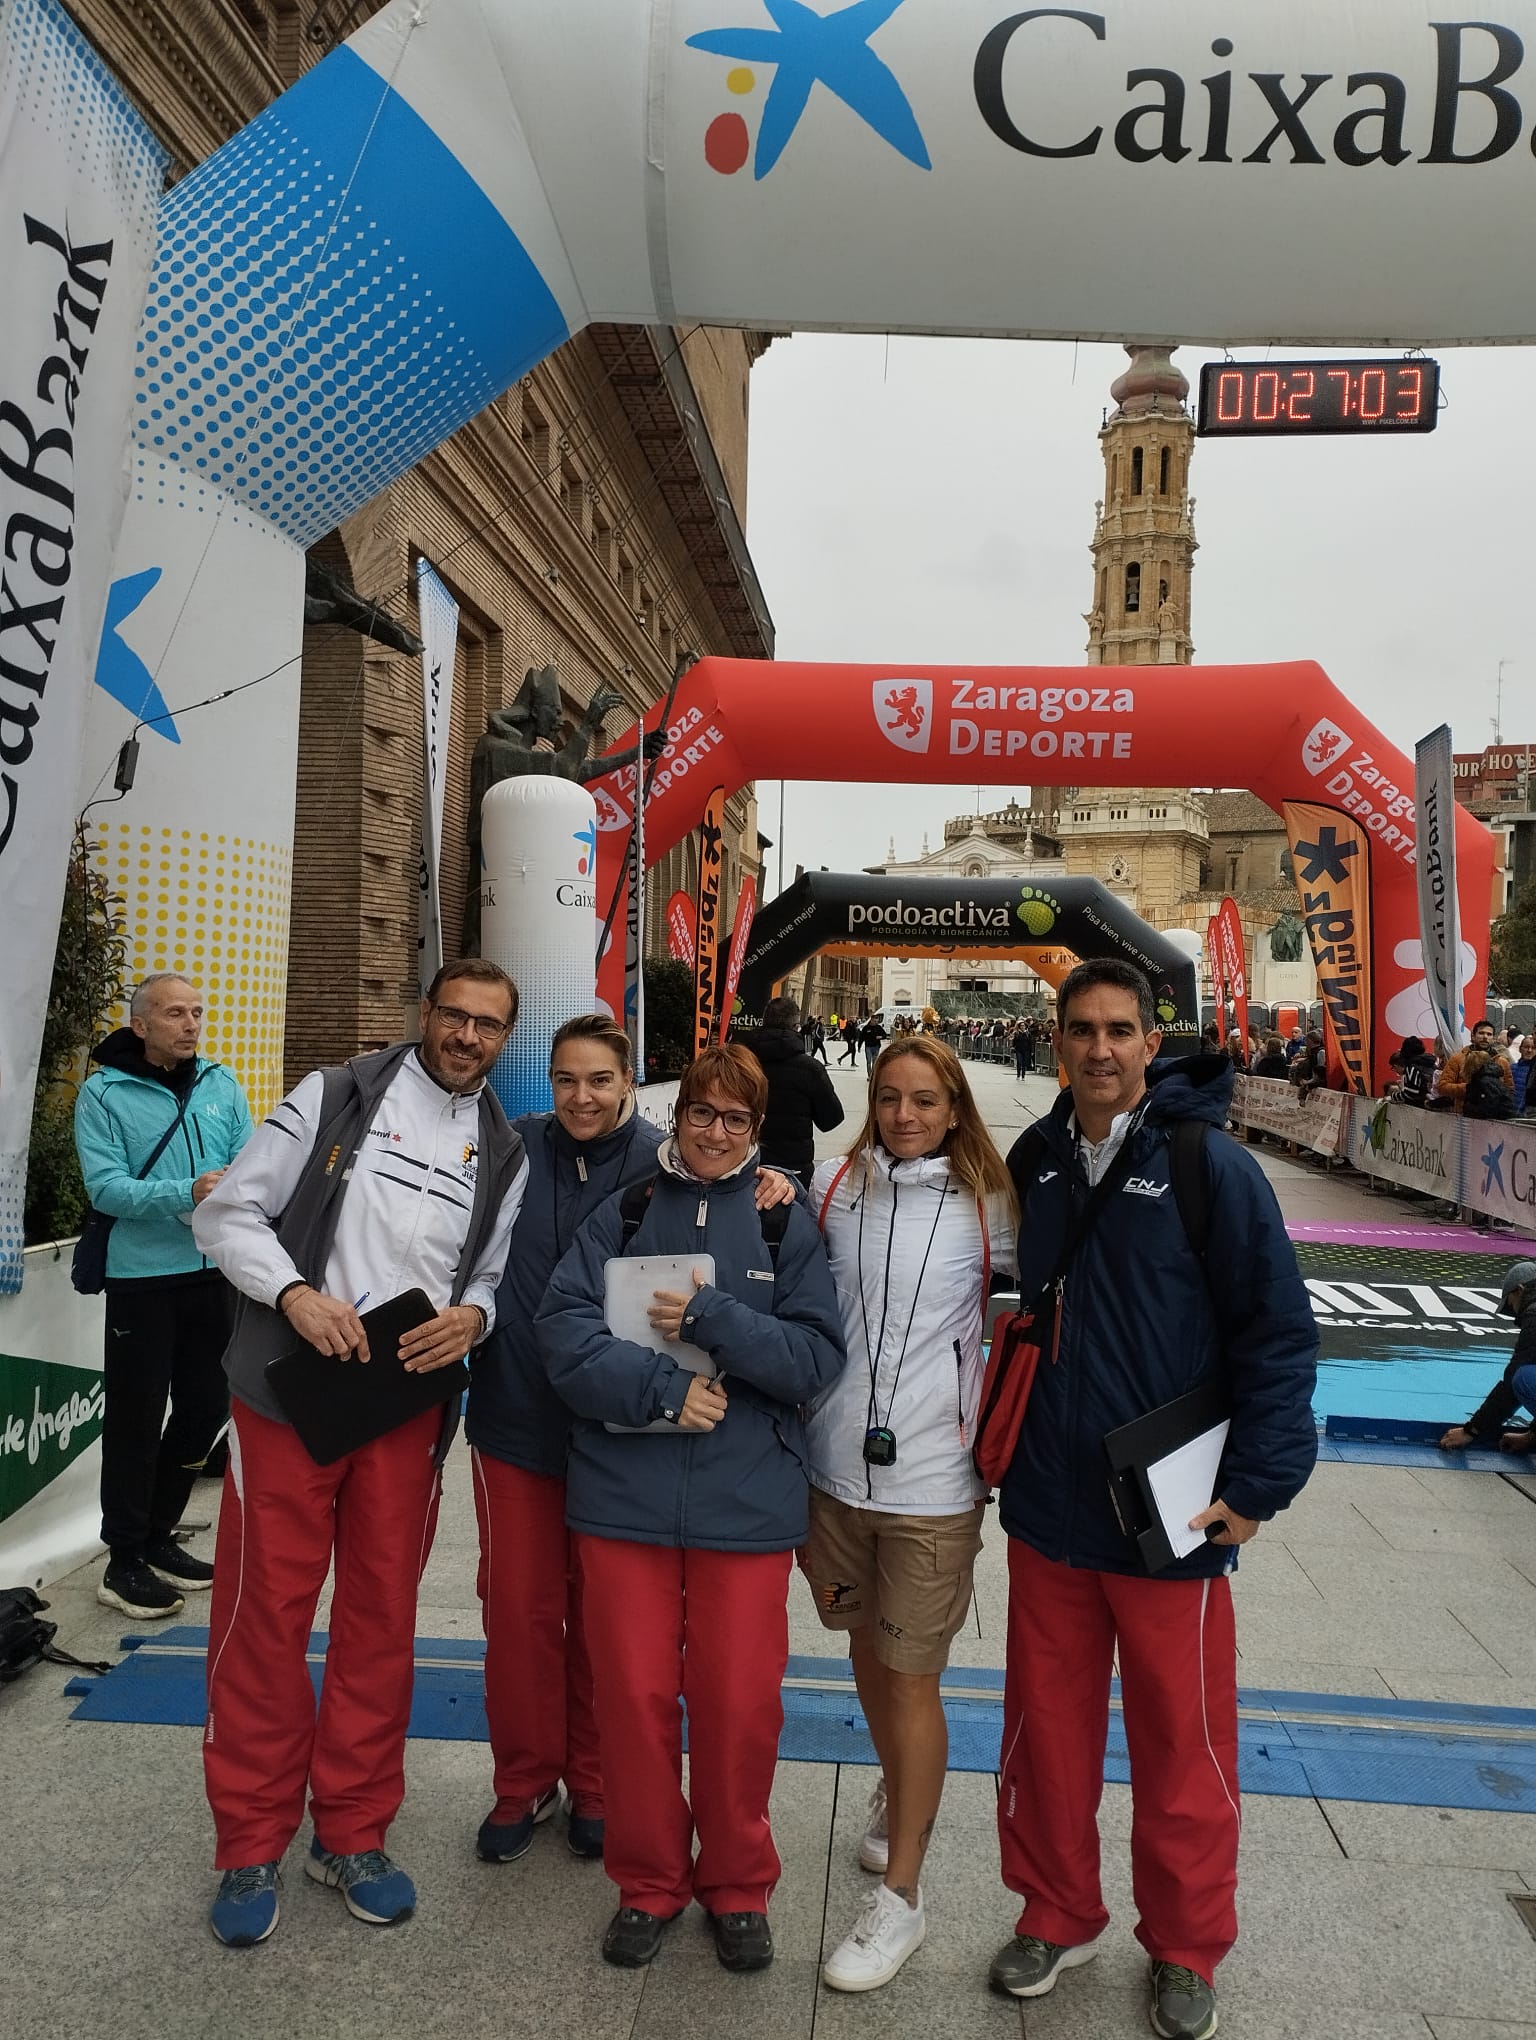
<point x="538" y="1678"/>
<point x="281" y="1521"/>
<point x="709" y="1628"/>
<point x="1178" y="1683"/>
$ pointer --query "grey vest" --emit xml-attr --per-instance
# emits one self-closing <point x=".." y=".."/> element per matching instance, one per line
<point x="307" y="1227"/>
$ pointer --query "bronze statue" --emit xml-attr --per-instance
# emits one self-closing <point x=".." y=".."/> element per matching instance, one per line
<point x="1285" y="939"/>
<point x="524" y="738"/>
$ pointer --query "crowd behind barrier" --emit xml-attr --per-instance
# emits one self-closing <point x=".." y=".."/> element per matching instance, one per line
<point x="1486" y="1166"/>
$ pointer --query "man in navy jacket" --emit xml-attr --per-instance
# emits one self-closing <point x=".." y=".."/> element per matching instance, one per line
<point x="1143" y="1319"/>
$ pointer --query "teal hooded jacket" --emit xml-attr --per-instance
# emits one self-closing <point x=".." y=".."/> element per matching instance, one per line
<point x="124" y="1106"/>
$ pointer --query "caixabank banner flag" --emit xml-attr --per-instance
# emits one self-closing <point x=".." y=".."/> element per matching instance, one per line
<point x="706" y="968"/>
<point x="439" y="615"/>
<point x="1434" y="799"/>
<point x="79" y="183"/>
<point x="1332" y="855"/>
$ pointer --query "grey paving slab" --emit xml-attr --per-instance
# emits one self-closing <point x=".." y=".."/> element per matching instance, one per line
<point x="1379" y="1637"/>
<point x="1471" y="1689"/>
<point x="1481" y="2029"/>
<point x="1430" y="1835"/>
<point x="1285" y="1675"/>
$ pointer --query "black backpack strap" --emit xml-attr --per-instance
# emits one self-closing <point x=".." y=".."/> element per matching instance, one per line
<point x="1191" y="1191"/>
<point x="633" y="1206"/>
<point x="775" y="1223"/>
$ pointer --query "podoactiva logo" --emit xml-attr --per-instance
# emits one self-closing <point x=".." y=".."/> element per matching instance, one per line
<point x="804" y="49"/>
<point x="1325" y="745"/>
<point x="1037" y="910"/>
<point x="904" y="712"/>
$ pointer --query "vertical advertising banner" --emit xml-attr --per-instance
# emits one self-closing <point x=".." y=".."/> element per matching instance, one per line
<point x="439" y="615"/>
<point x="746" y="907"/>
<point x="634" y="937"/>
<point x="680" y="926"/>
<point x="1332" y="855"/>
<point x="1434" y="800"/>
<point x="79" y="188"/>
<point x="1229" y="941"/>
<point x="706" y="967"/>
<point x="1218" y="989"/>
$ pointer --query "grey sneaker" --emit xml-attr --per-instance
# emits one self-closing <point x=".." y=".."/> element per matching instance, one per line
<point x="1183" y="2004"/>
<point x="1029" y="1967"/>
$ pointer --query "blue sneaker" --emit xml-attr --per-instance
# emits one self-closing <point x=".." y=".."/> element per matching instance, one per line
<point x="505" y="1841"/>
<point x="245" y="1910"/>
<point x="374" y="1888"/>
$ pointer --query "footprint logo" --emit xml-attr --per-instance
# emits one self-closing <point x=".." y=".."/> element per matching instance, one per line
<point x="1037" y="910"/>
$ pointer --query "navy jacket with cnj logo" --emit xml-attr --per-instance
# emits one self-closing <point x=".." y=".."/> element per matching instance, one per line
<point x="1145" y="1322"/>
<point x="777" y="1339"/>
<point x="513" y="1413"/>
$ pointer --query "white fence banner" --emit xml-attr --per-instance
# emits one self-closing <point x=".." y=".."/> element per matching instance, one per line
<point x="1319" y="1121"/>
<point x="79" y="185"/>
<point x="439" y="615"/>
<point x="1434" y="799"/>
<point x="1405" y="1145"/>
<point x="1498" y="1169"/>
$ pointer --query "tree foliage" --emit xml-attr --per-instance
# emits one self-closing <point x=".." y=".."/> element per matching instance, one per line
<point x="87" y="983"/>
<point x="668" y="1017"/>
<point x="1512" y="956"/>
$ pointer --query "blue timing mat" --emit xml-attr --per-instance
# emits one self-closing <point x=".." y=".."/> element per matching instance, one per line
<point x="1293" y="1745"/>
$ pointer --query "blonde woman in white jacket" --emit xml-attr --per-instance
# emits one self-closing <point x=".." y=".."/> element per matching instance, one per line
<point x="917" y="1218"/>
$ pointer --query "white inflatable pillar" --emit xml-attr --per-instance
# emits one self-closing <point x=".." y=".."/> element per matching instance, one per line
<point x="538" y="920"/>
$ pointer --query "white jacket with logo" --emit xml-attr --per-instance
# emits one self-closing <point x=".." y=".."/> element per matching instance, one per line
<point x="905" y="1244"/>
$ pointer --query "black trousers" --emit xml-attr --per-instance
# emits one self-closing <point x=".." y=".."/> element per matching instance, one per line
<point x="163" y="1340"/>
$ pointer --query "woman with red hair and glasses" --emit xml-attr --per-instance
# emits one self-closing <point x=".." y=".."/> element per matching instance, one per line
<point x="687" y="1513"/>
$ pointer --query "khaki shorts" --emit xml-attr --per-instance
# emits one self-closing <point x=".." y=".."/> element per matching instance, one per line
<point x="906" y="1577"/>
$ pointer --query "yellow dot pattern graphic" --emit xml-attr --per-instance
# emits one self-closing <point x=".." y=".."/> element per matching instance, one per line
<point x="740" y="80"/>
<point x="216" y="907"/>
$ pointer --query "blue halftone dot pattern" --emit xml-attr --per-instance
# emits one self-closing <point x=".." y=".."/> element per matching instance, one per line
<point x="334" y="296"/>
<point x="59" y="83"/>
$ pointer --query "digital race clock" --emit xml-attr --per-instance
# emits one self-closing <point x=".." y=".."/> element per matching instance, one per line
<point x="1298" y="399"/>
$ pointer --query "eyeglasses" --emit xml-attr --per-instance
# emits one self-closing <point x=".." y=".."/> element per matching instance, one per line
<point x="455" y="1019"/>
<point x="701" y="1116"/>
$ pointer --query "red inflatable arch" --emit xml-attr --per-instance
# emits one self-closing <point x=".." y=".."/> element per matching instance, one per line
<point x="1284" y="732"/>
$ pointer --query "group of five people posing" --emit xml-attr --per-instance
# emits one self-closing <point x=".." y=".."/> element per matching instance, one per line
<point x="810" y="1385"/>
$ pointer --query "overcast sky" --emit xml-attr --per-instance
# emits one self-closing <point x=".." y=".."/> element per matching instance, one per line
<point x="932" y="501"/>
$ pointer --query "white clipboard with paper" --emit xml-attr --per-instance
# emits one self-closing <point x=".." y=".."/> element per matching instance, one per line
<point x="630" y="1283"/>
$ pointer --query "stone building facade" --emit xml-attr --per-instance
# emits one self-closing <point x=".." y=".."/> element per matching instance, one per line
<point x="591" y="518"/>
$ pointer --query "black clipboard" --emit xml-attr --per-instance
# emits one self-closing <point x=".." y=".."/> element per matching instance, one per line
<point x="1133" y="1447"/>
<point x="337" y="1405"/>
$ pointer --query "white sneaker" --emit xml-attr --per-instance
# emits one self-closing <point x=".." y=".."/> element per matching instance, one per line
<point x="886" y="1932"/>
<point x="875" y="1849"/>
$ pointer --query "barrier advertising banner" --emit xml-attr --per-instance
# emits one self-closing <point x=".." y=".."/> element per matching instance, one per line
<point x="741" y="928"/>
<point x="1434" y="799"/>
<point x="1405" y="1145"/>
<point x="79" y="185"/>
<point x="680" y="923"/>
<point x="1229" y="940"/>
<point x="1498" y="1169"/>
<point x="1332" y="855"/>
<point x="439" y="642"/>
<point x="1319" y="1121"/>
<point x="706" y="968"/>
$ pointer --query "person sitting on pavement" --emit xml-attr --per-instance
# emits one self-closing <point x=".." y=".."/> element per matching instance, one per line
<point x="1143" y="1318"/>
<point x="801" y="1095"/>
<point x="538" y="1678"/>
<point x="1489" y="1422"/>
<point x="915" y="1216"/>
<point x="168" y="1309"/>
<point x="687" y="1494"/>
<point x="394" y="1171"/>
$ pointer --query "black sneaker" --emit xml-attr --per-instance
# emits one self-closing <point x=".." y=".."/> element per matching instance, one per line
<point x="504" y="1841"/>
<point x="742" y="1939"/>
<point x="584" y="1836"/>
<point x="633" y="1937"/>
<point x="129" y="1584"/>
<point x="173" y="1559"/>
<point x="1183" y="2004"/>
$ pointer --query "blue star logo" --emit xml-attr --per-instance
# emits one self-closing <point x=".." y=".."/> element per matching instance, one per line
<point x="1493" y="1168"/>
<point x="120" y="671"/>
<point x="586" y="839"/>
<point x="828" y="49"/>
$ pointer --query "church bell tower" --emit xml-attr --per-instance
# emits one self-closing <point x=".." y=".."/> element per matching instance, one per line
<point x="1144" y="538"/>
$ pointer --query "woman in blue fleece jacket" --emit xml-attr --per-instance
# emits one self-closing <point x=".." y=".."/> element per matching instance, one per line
<point x="685" y="1533"/>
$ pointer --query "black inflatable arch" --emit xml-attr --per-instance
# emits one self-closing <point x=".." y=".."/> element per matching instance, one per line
<point x="983" y="916"/>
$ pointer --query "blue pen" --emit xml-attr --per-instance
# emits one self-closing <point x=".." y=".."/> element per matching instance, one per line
<point x="362" y="1299"/>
